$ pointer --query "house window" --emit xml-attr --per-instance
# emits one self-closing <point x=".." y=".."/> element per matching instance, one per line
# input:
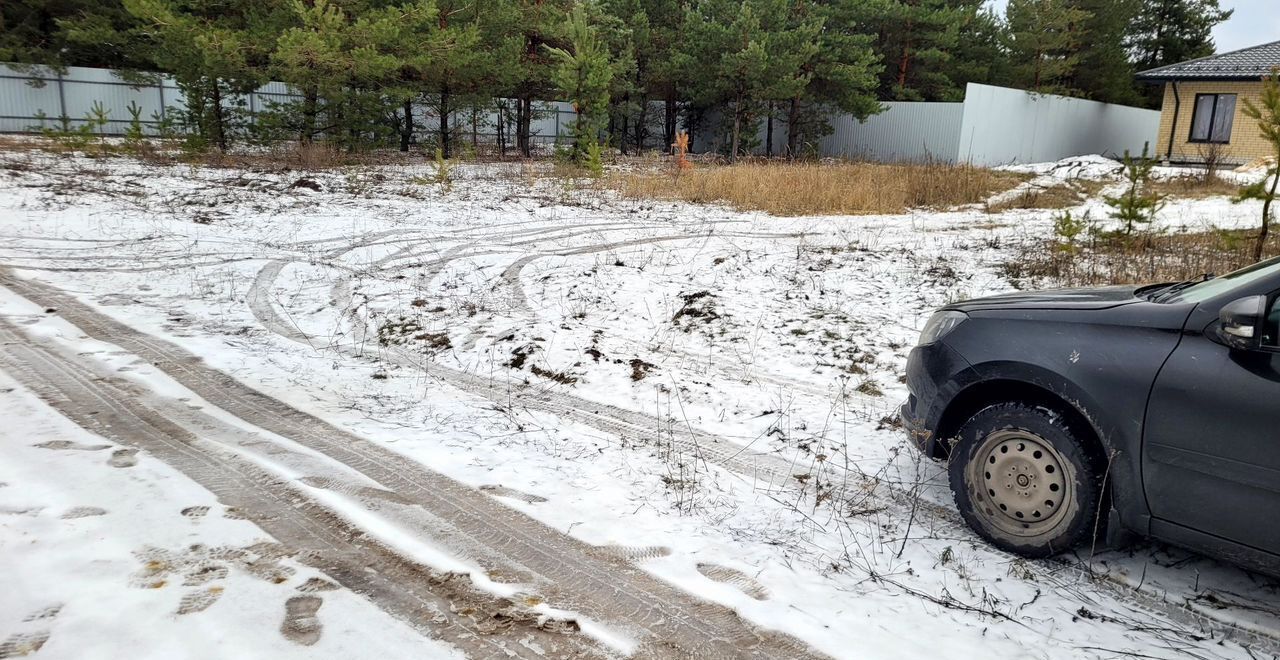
<point x="1213" y="117"/>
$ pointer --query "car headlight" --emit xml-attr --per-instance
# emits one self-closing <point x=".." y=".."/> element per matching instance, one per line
<point x="939" y="325"/>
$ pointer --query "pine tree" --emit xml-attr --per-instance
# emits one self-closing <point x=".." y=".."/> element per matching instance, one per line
<point x="1171" y="31"/>
<point x="216" y="51"/>
<point x="536" y="24"/>
<point x="916" y="39"/>
<point x="584" y="73"/>
<point x="61" y="33"/>
<point x="628" y="32"/>
<point x="981" y="56"/>
<point x="834" y="69"/>
<point x="347" y="65"/>
<point x="730" y="62"/>
<point x="661" y="73"/>
<point x="451" y="68"/>
<point x="1104" y="72"/>
<point x="1044" y="40"/>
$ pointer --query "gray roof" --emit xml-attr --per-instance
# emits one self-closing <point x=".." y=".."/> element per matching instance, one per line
<point x="1245" y="64"/>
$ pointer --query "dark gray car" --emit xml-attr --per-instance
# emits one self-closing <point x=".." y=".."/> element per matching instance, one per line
<point x="1152" y="411"/>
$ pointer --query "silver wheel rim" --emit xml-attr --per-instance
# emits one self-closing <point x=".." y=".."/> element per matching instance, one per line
<point x="1020" y="485"/>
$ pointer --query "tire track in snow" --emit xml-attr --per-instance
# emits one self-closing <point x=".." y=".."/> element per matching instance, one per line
<point x="425" y="599"/>
<point x="599" y="585"/>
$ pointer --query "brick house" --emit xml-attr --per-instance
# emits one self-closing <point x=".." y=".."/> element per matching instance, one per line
<point x="1202" y="114"/>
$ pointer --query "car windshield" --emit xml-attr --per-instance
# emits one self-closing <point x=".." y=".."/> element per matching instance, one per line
<point x="1207" y="289"/>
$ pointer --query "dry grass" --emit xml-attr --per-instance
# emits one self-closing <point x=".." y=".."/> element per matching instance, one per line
<point x="1146" y="259"/>
<point x="1054" y="197"/>
<point x="790" y="189"/>
<point x="1195" y="187"/>
<point x="1061" y="196"/>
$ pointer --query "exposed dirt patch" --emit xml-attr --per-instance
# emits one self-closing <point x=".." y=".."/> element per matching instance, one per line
<point x="640" y="369"/>
<point x="699" y="308"/>
<point x="405" y="331"/>
<point x="520" y="355"/>
<point x="550" y="374"/>
<point x="307" y="184"/>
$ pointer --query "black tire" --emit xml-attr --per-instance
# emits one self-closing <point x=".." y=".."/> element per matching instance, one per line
<point x="1024" y="480"/>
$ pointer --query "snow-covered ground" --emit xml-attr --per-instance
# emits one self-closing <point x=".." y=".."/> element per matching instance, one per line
<point x="605" y="367"/>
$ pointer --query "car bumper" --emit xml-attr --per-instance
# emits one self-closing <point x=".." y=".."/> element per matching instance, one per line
<point x="934" y="374"/>
<point x="914" y="425"/>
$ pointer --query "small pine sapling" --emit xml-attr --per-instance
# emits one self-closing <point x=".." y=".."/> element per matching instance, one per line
<point x="443" y="176"/>
<point x="1138" y="205"/>
<point x="1267" y="114"/>
<point x="1068" y="229"/>
<point x="96" y="121"/>
<point x="593" y="163"/>
<point x="134" y="138"/>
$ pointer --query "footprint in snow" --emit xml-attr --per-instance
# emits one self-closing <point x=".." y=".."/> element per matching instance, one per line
<point x="123" y="458"/>
<point x="503" y="491"/>
<point x="199" y="600"/>
<point x="20" y="644"/>
<point x="43" y="613"/>
<point x="301" y="625"/>
<point x="83" y="512"/>
<point x="67" y="444"/>
<point x="315" y="584"/>
<point x="13" y="511"/>
<point x="195" y="512"/>
<point x="732" y="576"/>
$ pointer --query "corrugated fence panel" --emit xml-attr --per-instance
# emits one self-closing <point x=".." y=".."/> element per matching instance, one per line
<point x="84" y="87"/>
<point x="74" y="95"/>
<point x="903" y="132"/>
<point x="21" y="103"/>
<point x="1003" y="126"/>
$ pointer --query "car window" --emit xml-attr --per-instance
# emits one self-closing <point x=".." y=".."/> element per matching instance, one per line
<point x="1271" y="330"/>
<point x="1210" y="288"/>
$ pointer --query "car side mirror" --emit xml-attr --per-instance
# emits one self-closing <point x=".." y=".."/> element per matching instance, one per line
<point x="1240" y="323"/>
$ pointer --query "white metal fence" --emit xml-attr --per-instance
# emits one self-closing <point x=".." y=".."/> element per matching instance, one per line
<point x="993" y="126"/>
<point x="905" y="131"/>
<point x="32" y="98"/>
<point x="1011" y="126"/>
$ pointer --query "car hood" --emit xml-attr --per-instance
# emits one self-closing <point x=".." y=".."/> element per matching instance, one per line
<point x="1098" y="298"/>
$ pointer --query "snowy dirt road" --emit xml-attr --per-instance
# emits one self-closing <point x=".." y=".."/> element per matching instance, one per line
<point x="522" y="419"/>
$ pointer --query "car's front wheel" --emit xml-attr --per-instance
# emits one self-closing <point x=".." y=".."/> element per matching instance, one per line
<point x="1024" y="480"/>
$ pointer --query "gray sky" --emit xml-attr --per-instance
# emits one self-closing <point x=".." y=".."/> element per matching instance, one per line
<point x="1254" y="22"/>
